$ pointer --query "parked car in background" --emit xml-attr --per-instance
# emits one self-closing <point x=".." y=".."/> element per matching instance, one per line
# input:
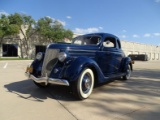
<point x="90" y="59"/>
<point x="140" y="57"/>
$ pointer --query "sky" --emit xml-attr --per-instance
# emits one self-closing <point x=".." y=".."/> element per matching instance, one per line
<point x="130" y="20"/>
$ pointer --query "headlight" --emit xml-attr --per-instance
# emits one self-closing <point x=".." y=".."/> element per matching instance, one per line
<point x="39" y="56"/>
<point x="62" y="56"/>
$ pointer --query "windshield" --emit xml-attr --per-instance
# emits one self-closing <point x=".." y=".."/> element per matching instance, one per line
<point x="87" y="40"/>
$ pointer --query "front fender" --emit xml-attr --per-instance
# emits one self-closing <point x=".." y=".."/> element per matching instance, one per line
<point x="73" y="71"/>
<point x="37" y="66"/>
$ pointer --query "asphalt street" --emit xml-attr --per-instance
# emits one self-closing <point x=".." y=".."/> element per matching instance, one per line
<point x="135" y="99"/>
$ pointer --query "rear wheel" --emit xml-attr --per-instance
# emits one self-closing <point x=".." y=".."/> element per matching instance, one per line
<point x="128" y="73"/>
<point x="83" y="87"/>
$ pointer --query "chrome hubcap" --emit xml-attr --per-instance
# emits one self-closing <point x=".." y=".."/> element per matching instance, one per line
<point x="86" y="83"/>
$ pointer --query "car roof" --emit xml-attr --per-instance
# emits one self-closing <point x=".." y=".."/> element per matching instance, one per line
<point x="103" y="34"/>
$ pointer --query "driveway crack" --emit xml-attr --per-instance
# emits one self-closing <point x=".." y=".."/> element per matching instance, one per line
<point x="62" y="105"/>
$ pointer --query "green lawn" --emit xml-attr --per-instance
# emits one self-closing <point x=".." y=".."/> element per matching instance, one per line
<point x="14" y="59"/>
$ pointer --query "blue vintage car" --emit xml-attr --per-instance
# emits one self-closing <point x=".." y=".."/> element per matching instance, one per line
<point x="90" y="59"/>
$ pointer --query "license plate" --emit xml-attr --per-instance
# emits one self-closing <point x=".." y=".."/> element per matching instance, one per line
<point x="29" y="69"/>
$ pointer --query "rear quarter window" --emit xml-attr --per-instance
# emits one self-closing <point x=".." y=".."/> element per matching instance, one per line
<point x="109" y="42"/>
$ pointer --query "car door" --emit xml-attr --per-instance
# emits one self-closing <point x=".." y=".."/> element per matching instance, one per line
<point x="118" y="55"/>
<point x="108" y="57"/>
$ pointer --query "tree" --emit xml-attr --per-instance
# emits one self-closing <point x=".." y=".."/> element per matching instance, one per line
<point x="24" y="24"/>
<point x="7" y="28"/>
<point x="53" y="30"/>
<point x="21" y="24"/>
<point x="14" y="24"/>
<point x="68" y="34"/>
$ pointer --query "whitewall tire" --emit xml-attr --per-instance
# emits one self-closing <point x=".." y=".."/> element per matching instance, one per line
<point x="84" y="86"/>
<point x="128" y="73"/>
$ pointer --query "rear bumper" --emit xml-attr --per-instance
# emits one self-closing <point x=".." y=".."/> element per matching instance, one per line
<point x="47" y="80"/>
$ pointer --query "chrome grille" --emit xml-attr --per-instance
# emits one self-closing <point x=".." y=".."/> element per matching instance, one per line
<point x="50" y="60"/>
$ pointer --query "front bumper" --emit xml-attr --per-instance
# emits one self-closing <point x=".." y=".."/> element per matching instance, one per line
<point x="47" y="80"/>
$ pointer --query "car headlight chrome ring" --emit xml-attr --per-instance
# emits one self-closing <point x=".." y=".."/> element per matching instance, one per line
<point x="39" y="56"/>
<point x="62" y="56"/>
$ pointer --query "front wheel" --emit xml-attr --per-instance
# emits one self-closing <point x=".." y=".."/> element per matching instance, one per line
<point x="128" y="73"/>
<point x="83" y="87"/>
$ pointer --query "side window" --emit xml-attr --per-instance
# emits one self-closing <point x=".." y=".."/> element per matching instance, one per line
<point x="109" y="42"/>
<point x="92" y="40"/>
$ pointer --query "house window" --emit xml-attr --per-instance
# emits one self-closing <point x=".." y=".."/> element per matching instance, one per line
<point x="10" y="50"/>
<point x="40" y="48"/>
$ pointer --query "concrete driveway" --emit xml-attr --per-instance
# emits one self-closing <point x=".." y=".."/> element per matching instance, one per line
<point x="135" y="99"/>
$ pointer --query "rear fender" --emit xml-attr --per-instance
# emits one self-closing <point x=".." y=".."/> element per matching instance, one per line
<point x="127" y="61"/>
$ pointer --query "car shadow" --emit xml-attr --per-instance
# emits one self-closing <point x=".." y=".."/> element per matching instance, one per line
<point x="26" y="89"/>
<point x="147" y="86"/>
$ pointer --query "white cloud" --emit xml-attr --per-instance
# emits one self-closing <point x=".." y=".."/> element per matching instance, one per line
<point x="51" y="18"/>
<point x="156" y="34"/>
<point x="124" y="31"/>
<point x="147" y="35"/>
<point x="62" y="22"/>
<point x="88" y="30"/>
<point x="4" y="13"/>
<point x="68" y="17"/>
<point x="100" y="28"/>
<point x="136" y="36"/>
<point x="123" y="36"/>
<point x="157" y="1"/>
<point x="22" y="12"/>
